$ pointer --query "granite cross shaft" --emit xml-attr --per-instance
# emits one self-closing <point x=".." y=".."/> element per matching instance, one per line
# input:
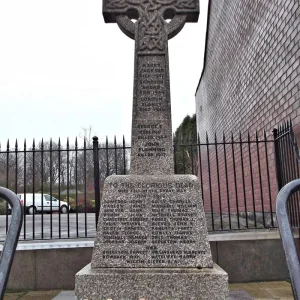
<point x="151" y="146"/>
<point x="151" y="240"/>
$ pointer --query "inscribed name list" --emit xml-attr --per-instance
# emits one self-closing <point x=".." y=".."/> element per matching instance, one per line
<point x="151" y="223"/>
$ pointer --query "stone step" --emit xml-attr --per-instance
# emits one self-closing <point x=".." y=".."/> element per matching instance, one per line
<point x="233" y="295"/>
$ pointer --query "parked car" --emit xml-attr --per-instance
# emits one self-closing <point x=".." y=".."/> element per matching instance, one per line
<point x="42" y="203"/>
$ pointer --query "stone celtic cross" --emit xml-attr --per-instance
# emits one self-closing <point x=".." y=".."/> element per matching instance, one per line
<point x="152" y="149"/>
<point x="152" y="232"/>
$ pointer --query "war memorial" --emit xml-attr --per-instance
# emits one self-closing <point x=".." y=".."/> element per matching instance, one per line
<point x="152" y="240"/>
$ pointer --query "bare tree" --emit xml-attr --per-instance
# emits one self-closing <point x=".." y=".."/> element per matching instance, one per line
<point x="48" y="165"/>
<point x="87" y="136"/>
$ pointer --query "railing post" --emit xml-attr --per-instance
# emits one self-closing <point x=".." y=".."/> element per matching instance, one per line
<point x="277" y="159"/>
<point x="96" y="176"/>
<point x="175" y="157"/>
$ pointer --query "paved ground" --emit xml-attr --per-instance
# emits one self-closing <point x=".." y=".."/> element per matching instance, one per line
<point x="276" y="290"/>
<point x="39" y="226"/>
<point x="279" y="290"/>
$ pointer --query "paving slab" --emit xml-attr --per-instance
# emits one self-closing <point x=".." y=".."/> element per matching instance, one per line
<point x="40" y="295"/>
<point x="14" y="296"/>
<point x="233" y="295"/>
<point x="239" y="295"/>
<point x="36" y="295"/>
<point x="279" y="290"/>
<point x="65" y="295"/>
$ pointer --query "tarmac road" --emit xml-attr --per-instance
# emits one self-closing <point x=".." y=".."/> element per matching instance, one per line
<point x="39" y="226"/>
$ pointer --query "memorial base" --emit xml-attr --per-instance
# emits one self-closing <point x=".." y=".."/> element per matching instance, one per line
<point x="151" y="283"/>
<point x="151" y="221"/>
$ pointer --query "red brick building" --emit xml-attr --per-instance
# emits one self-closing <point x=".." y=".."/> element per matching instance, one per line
<point x="250" y="82"/>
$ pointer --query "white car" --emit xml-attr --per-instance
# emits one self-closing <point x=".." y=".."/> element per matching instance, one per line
<point x="34" y="203"/>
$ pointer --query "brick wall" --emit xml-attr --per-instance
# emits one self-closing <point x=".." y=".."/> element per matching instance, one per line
<point x="251" y="80"/>
<point x="252" y="65"/>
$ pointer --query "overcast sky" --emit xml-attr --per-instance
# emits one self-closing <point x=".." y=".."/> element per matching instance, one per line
<point x="62" y="68"/>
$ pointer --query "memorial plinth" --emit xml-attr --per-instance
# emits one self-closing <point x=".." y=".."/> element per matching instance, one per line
<point x="151" y="240"/>
<point x="152" y="222"/>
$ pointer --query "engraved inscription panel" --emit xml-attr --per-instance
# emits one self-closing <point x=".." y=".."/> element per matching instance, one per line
<point x="151" y="223"/>
<point x="152" y="86"/>
<point x="151" y="127"/>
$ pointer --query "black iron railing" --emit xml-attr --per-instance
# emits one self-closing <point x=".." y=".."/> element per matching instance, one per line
<point x="237" y="177"/>
<point x="62" y="173"/>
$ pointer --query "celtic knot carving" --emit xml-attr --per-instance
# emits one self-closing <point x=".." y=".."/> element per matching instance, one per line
<point x="116" y="4"/>
<point x="151" y="4"/>
<point x="187" y="4"/>
<point x="152" y="32"/>
<point x="151" y="20"/>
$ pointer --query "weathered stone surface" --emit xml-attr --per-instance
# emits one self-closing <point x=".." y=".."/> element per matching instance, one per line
<point x="152" y="221"/>
<point x="152" y="284"/>
<point x="151" y="140"/>
<point x="152" y="238"/>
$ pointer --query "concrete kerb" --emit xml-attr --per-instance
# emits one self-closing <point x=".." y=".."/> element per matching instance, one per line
<point x="213" y="237"/>
<point x="246" y="256"/>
